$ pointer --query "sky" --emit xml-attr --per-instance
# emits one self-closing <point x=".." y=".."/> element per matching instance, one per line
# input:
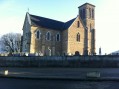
<point x="12" y="15"/>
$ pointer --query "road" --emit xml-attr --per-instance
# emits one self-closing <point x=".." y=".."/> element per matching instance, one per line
<point x="61" y="72"/>
<point x="57" y="78"/>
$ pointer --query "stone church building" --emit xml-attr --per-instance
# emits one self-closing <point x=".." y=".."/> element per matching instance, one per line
<point x="51" y="37"/>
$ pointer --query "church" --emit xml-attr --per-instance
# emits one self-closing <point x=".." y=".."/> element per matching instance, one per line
<point x="50" y="37"/>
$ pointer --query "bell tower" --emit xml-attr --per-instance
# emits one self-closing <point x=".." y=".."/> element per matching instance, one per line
<point x="87" y="15"/>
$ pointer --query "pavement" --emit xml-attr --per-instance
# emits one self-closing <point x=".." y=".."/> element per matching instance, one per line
<point x="106" y="74"/>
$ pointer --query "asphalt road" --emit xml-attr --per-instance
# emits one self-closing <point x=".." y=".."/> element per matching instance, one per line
<point x="61" y="72"/>
<point x="38" y="82"/>
<point x="11" y="83"/>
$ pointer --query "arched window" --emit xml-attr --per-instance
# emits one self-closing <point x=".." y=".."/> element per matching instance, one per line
<point x="57" y="37"/>
<point x="84" y="13"/>
<point x="92" y="13"/>
<point x="81" y="14"/>
<point x="78" y="24"/>
<point x="48" y="36"/>
<point x="38" y="34"/>
<point x="89" y="12"/>
<point x="78" y="37"/>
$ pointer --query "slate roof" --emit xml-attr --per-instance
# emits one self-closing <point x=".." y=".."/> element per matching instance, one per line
<point x="50" y="23"/>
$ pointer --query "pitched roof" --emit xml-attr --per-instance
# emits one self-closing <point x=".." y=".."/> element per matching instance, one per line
<point x="50" y="23"/>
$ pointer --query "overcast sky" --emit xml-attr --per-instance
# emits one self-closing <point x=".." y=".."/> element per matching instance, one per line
<point x="13" y="12"/>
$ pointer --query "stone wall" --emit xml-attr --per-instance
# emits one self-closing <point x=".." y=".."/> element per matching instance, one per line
<point x="73" y="44"/>
<point x="26" y="35"/>
<point x="60" y="61"/>
<point x="64" y="42"/>
<point x="42" y="45"/>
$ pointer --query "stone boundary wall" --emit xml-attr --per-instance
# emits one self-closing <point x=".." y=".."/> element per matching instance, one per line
<point x="60" y="61"/>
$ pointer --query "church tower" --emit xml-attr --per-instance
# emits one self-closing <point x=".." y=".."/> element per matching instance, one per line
<point x="87" y="14"/>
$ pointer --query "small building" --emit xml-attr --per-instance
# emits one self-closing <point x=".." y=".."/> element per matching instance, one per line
<point x="115" y="53"/>
<point x="51" y="37"/>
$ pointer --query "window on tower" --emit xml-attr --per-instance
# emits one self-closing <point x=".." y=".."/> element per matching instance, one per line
<point x="92" y="13"/>
<point x="84" y="13"/>
<point x="81" y="13"/>
<point x="89" y="12"/>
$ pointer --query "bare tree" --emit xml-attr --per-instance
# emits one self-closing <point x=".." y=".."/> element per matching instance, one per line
<point x="11" y="42"/>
